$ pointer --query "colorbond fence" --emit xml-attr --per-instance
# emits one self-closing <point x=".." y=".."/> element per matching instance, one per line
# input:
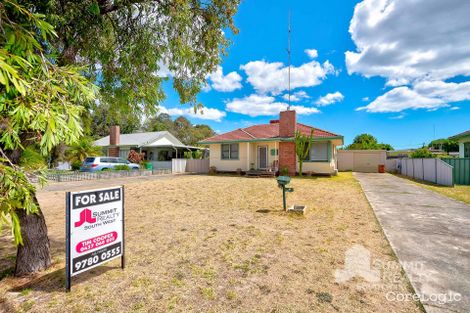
<point x="461" y="170"/>
<point x="190" y="165"/>
<point x="197" y="166"/>
<point x="431" y="170"/>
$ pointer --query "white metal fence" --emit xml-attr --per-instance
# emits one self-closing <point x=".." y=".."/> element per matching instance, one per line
<point x="178" y="165"/>
<point x="431" y="170"/>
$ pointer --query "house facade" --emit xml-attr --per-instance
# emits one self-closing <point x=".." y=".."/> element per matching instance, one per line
<point x="271" y="147"/>
<point x="159" y="148"/>
<point x="464" y="143"/>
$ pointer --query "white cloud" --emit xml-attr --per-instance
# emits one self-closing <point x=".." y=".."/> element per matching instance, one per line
<point x="402" y="98"/>
<point x="257" y="105"/>
<point x="273" y="77"/>
<point x="312" y="53"/>
<point x="163" y="70"/>
<point x="330" y="98"/>
<point x="429" y="95"/>
<point x="450" y="92"/>
<point x="225" y="83"/>
<point x="203" y="114"/>
<point x="415" y="45"/>
<point x="454" y="108"/>
<point x="296" y="96"/>
<point x="410" y="39"/>
<point x="365" y="99"/>
<point x="398" y="117"/>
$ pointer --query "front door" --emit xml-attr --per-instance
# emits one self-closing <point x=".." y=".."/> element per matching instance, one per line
<point x="262" y="157"/>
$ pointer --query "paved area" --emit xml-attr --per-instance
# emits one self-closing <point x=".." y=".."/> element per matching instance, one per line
<point x="430" y="235"/>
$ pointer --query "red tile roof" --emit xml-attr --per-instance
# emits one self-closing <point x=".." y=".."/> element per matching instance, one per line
<point x="264" y="131"/>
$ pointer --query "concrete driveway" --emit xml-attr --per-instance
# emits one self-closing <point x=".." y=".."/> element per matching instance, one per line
<point x="430" y="235"/>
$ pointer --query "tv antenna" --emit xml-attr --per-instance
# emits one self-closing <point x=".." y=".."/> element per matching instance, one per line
<point x="288" y="55"/>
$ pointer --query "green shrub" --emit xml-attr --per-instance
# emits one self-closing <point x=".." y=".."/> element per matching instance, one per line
<point x="122" y="168"/>
<point x="76" y="165"/>
<point x="284" y="171"/>
<point x="188" y="155"/>
<point x="31" y="159"/>
<point x="198" y="154"/>
<point x="422" y="153"/>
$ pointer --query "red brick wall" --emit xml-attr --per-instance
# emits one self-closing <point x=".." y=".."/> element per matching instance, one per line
<point x="287" y="156"/>
<point x="114" y="139"/>
<point x="114" y="135"/>
<point x="287" y="123"/>
<point x="287" y="127"/>
<point x="113" y="151"/>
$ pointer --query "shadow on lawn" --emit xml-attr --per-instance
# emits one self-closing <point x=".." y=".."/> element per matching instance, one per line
<point x="55" y="281"/>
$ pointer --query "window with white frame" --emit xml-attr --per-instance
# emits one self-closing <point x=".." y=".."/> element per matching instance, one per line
<point x="230" y="151"/>
<point x="318" y="151"/>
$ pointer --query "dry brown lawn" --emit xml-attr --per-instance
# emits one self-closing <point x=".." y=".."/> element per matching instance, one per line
<point x="457" y="192"/>
<point x="221" y="244"/>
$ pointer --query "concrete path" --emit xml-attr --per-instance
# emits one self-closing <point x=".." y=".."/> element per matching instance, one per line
<point x="430" y="234"/>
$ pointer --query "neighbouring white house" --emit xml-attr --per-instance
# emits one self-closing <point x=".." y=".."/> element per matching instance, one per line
<point x="464" y="143"/>
<point x="159" y="148"/>
<point x="271" y="147"/>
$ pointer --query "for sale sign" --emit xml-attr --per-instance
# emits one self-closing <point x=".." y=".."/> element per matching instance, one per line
<point x="95" y="229"/>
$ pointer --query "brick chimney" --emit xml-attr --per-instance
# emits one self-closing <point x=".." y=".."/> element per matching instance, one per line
<point x="114" y="139"/>
<point x="287" y="123"/>
<point x="287" y="127"/>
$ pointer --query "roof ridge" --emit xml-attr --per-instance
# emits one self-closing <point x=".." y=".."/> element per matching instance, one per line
<point x="323" y="130"/>
<point x="154" y="137"/>
<point x="243" y="130"/>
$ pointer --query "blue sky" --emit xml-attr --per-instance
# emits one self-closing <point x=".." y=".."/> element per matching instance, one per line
<point x="401" y="72"/>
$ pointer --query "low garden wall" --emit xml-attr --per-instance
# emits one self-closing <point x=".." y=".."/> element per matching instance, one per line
<point x="63" y="176"/>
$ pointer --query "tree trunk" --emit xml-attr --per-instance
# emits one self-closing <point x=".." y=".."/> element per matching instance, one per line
<point x="34" y="255"/>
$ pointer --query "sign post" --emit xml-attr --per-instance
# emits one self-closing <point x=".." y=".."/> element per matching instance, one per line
<point x="94" y="229"/>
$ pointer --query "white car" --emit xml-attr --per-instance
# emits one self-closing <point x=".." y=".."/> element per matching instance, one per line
<point x="93" y="164"/>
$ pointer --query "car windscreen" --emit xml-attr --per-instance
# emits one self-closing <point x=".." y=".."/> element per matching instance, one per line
<point x="89" y="160"/>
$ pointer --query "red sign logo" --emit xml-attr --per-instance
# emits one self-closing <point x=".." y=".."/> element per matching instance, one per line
<point x="85" y="216"/>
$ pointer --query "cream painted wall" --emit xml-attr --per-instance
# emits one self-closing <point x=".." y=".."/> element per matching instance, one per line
<point x="320" y="167"/>
<point x="229" y="165"/>
<point x="248" y="154"/>
<point x="462" y="141"/>
<point x="461" y="150"/>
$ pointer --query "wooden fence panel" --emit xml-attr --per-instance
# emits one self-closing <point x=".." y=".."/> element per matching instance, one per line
<point x="197" y="166"/>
